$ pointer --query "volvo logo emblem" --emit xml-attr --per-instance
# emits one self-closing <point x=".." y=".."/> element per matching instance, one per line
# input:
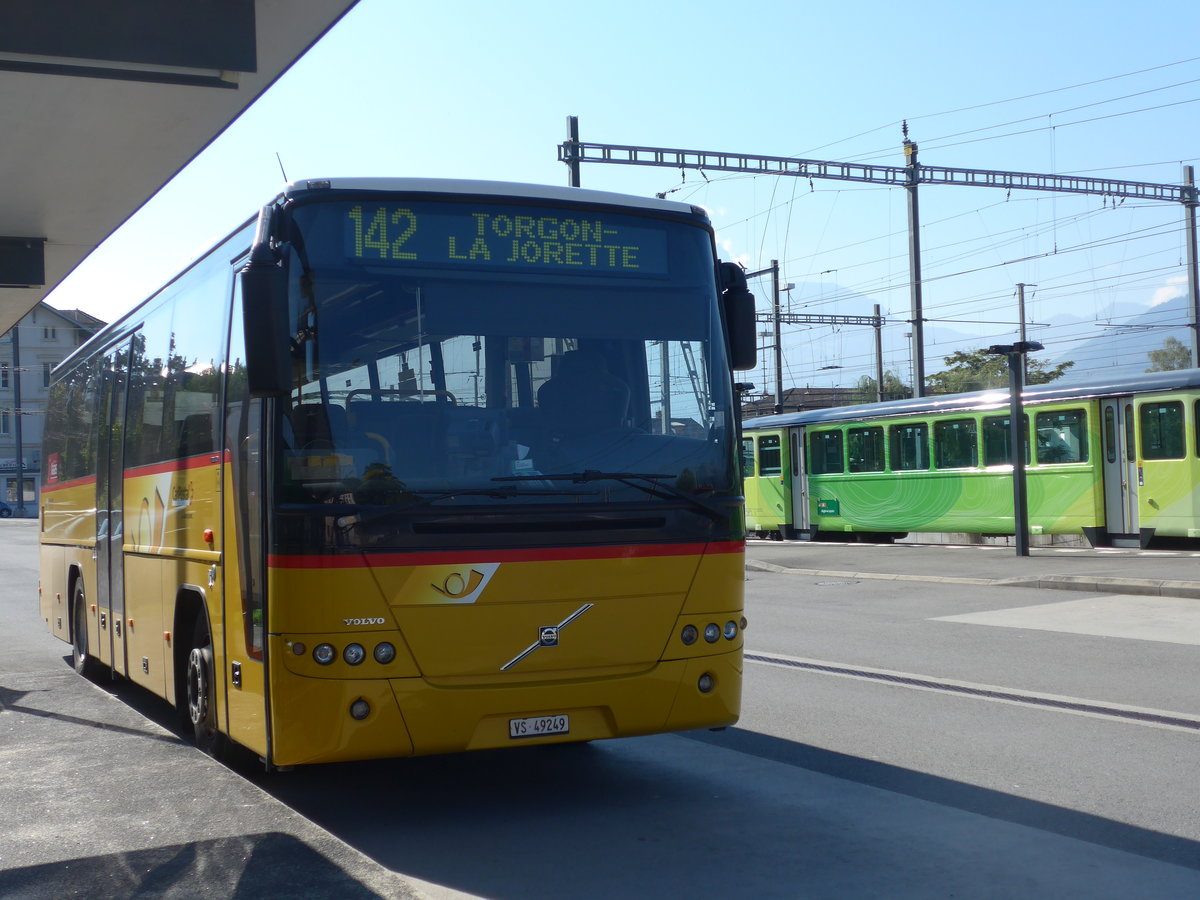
<point x="547" y="636"/>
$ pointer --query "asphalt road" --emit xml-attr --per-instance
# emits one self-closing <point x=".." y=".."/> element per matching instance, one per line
<point x="897" y="740"/>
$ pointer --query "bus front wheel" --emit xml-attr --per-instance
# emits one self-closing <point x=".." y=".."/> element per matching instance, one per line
<point x="202" y="712"/>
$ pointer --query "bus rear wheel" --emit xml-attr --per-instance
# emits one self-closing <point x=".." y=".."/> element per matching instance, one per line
<point x="202" y="713"/>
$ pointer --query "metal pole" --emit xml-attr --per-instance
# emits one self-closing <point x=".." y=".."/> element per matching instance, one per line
<point x="878" y="355"/>
<point x="1189" y="181"/>
<point x="666" y="387"/>
<point x="913" y="178"/>
<point x="16" y="345"/>
<point x="1021" y="320"/>
<point x="572" y="151"/>
<point x="1016" y="384"/>
<point x="778" y="338"/>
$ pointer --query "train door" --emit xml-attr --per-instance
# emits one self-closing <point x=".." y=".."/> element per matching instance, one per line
<point x="110" y="492"/>
<point x="801" y="521"/>
<point x="1120" y="466"/>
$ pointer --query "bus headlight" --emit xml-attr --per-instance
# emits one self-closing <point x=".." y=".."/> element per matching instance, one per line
<point x="384" y="653"/>
<point x="354" y="654"/>
<point x="689" y="635"/>
<point x="324" y="654"/>
<point x="712" y="632"/>
<point x="731" y="630"/>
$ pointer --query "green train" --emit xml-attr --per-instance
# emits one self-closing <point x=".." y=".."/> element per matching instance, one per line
<point x="1115" y="461"/>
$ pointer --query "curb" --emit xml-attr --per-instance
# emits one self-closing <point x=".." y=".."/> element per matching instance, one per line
<point x="1102" y="585"/>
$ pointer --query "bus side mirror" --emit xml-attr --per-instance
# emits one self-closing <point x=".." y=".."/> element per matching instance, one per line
<point x="264" y="284"/>
<point x="739" y="317"/>
<point x="264" y="321"/>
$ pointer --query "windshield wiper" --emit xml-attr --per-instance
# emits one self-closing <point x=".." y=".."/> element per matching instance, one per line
<point x="651" y="484"/>
<point x="425" y="498"/>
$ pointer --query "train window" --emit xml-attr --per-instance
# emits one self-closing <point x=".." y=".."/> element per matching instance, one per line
<point x="1196" y="419"/>
<point x="955" y="444"/>
<point x="825" y="452"/>
<point x="770" y="460"/>
<point x="1110" y="435"/>
<point x="1062" y="436"/>
<point x="865" y="449"/>
<point x="910" y="446"/>
<point x="1130" y="444"/>
<point x="997" y="440"/>
<point x="1162" y="430"/>
<point x="747" y="457"/>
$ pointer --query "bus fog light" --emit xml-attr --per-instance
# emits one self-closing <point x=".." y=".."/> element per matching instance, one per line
<point x="689" y="634"/>
<point x="712" y="632"/>
<point x="360" y="709"/>
<point x="299" y="648"/>
<point x="324" y="654"/>
<point x="384" y="653"/>
<point x="731" y="630"/>
<point x="706" y="683"/>
<point x="354" y="654"/>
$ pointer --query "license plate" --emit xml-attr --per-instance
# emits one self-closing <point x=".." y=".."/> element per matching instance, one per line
<point x="536" y="726"/>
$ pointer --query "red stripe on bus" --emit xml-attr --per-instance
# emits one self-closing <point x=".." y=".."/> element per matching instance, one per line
<point x="458" y="557"/>
<point x="175" y="465"/>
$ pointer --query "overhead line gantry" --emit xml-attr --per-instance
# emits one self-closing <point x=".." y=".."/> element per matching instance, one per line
<point x="574" y="152"/>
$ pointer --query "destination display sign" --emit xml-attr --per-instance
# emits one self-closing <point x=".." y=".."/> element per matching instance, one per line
<point x="504" y="237"/>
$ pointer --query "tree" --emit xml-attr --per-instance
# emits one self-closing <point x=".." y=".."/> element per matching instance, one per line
<point x="1173" y="355"/>
<point x="893" y="388"/>
<point x="977" y="370"/>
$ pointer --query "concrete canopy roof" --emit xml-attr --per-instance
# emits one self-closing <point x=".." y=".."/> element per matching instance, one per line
<point x="103" y="104"/>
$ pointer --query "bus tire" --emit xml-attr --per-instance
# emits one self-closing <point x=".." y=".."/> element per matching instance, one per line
<point x="84" y="664"/>
<point x="201" y="710"/>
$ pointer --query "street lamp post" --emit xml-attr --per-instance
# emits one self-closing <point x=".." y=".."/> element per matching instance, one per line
<point x="1016" y="431"/>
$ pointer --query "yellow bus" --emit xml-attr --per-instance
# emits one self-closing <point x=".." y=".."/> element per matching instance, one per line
<point x="412" y="466"/>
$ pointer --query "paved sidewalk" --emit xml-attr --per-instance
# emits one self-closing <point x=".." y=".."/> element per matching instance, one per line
<point x="1167" y="573"/>
<point x="101" y="802"/>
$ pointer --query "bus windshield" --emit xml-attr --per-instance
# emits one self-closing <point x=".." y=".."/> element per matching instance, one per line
<point x="458" y="354"/>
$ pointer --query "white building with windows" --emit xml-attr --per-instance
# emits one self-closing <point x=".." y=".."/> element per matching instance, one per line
<point x="28" y="354"/>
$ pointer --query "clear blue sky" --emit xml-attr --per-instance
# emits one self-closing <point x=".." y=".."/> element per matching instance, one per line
<point x="477" y="89"/>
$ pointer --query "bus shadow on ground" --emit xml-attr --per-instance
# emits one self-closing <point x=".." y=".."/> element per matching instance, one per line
<point x="714" y="815"/>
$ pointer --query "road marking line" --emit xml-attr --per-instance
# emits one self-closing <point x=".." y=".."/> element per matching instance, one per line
<point x="1158" y="718"/>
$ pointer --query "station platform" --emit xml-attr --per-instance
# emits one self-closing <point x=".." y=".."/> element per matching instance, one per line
<point x="1167" y="573"/>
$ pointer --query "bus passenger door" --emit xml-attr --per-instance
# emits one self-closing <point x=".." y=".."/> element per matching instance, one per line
<point x="1120" y="465"/>
<point x="110" y="490"/>
<point x="801" y="521"/>
<point x="244" y="550"/>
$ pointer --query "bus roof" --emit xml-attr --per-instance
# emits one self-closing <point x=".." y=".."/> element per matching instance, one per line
<point x="499" y="189"/>
<point x="994" y="398"/>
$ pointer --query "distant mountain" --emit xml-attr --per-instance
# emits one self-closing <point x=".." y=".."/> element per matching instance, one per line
<point x="1121" y="338"/>
<point x="1126" y="343"/>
